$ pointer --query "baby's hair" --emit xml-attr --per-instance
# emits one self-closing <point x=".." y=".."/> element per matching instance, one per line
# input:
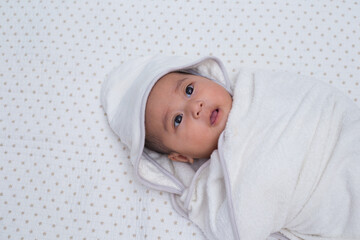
<point x="188" y="71"/>
<point x="154" y="144"/>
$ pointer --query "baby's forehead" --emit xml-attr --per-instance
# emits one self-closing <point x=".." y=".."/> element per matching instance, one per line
<point x="163" y="92"/>
<point x="170" y="79"/>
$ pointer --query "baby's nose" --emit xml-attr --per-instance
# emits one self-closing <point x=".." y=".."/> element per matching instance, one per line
<point x="197" y="107"/>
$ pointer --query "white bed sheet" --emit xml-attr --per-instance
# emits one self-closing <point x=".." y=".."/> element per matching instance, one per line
<point x="63" y="173"/>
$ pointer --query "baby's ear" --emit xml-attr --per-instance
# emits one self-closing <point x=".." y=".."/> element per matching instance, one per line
<point x="180" y="158"/>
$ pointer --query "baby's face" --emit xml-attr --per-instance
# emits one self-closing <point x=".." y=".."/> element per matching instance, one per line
<point x="187" y="113"/>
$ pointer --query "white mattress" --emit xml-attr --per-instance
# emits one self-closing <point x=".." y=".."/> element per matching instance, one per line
<point x="63" y="173"/>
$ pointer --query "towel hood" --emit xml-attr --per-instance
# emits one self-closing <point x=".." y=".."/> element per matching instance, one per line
<point x="123" y="96"/>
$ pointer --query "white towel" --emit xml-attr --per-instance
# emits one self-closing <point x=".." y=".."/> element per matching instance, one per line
<point x="288" y="161"/>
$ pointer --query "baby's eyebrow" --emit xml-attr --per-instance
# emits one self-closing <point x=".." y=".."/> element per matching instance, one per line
<point x="178" y="84"/>
<point x="165" y="119"/>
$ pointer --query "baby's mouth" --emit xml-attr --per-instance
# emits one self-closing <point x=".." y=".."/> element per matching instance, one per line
<point x="213" y="116"/>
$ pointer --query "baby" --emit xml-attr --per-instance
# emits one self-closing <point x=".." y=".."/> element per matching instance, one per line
<point x="185" y="115"/>
<point x="281" y="151"/>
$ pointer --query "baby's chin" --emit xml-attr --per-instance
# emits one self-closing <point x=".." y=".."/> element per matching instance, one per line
<point x="207" y="153"/>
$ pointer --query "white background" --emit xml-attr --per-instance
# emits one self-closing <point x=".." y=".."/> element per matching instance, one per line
<point x="63" y="173"/>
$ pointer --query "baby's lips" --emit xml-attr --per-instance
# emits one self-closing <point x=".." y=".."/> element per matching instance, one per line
<point x="213" y="116"/>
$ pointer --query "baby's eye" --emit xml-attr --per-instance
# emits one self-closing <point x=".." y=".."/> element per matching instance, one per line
<point x="189" y="90"/>
<point x="177" y="120"/>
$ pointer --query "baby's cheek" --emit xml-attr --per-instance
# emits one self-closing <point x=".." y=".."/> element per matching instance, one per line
<point x="205" y="134"/>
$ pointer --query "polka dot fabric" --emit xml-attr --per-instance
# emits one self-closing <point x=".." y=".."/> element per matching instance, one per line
<point x="63" y="173"/>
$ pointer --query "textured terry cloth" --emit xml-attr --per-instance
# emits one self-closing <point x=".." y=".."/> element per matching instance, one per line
<point x="288" y="160"/>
